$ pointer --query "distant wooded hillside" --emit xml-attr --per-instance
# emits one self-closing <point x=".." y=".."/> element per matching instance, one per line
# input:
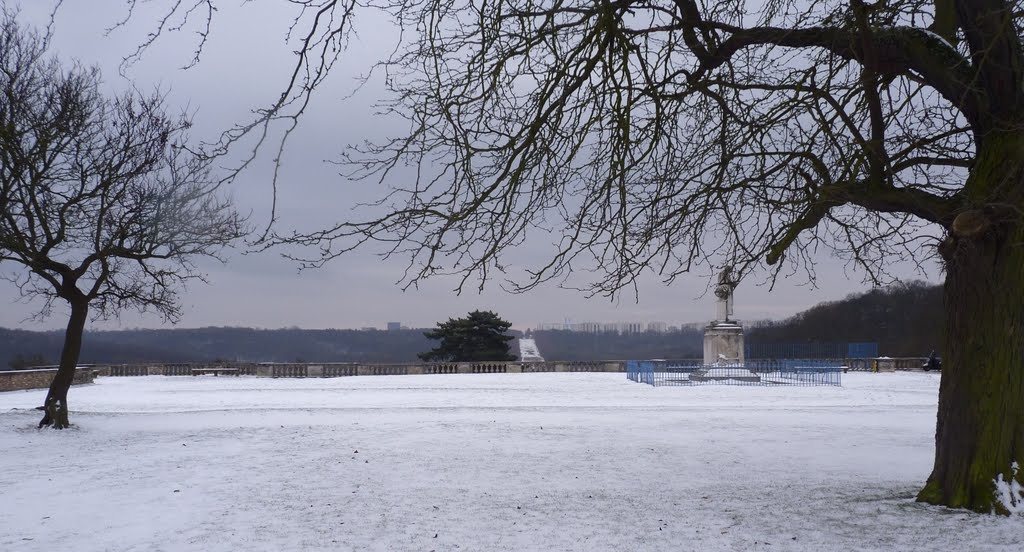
<point x="208" y="344"/>
<point x="566" y="345"/>
<point x="905" y="320"/>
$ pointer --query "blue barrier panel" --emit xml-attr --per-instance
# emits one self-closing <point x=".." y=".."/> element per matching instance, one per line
<point x="862" y="350"/>
<point x="813" y="350"/>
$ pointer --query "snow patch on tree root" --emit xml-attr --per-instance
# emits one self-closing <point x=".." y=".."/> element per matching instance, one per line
<point x="1009" y="495"/>
<point x="56" y="414"/>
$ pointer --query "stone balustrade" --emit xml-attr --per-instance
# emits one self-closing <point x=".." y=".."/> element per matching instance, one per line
<point x="40" y="378"/>
<point x="441" y="369"/>
<point x="339" y="370"/>
<point x="345" y="369"/>
<point x="886" y="364"/>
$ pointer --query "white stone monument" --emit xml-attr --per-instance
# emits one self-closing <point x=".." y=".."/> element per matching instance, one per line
<point x="723" y="338"/>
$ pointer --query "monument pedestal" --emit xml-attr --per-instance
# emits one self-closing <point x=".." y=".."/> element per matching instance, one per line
<point x="724" y="354"/>
<point x="723" y="343"/>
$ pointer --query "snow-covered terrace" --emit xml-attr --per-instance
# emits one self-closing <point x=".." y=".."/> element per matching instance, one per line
<point x="517" y="462"/>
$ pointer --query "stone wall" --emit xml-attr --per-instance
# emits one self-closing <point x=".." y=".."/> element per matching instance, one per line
<point x="13" y="380"/>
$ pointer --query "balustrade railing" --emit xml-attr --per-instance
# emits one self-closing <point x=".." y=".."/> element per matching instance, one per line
<point x="129" y="370"/>
<point x="177" y="369"/>
<point x="441" y="369"/>
<point x="289" y="371"/>
<point x="489" y="368"/>
<point x="389" y="370"/>
<point x="342" y="369"/>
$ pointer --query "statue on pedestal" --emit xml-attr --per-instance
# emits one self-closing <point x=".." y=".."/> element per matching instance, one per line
<point x="724" y="291"/>
<point x="724" y="352"/>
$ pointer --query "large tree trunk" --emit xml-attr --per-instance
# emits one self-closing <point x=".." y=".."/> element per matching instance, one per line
<point x="979" y="441"/>
<point x="56" y="405"/>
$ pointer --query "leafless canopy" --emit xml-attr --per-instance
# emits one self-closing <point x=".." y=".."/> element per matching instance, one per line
<point x="101" y="204"/>
<point x="660" y="134"/>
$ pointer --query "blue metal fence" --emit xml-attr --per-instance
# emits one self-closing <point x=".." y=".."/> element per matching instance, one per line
<point x="752" y="372"/>
<point x="812" y="350"/>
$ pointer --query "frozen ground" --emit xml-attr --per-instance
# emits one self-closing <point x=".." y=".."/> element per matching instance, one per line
<point x="587" y="462"/>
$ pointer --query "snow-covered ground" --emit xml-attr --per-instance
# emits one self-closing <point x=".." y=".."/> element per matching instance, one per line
<point x="521" y="462"/>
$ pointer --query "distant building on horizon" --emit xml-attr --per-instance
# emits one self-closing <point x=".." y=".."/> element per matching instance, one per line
<point x="394" y="326"/>
<point x="599" y="327"/>
<point x="657" y="327"/>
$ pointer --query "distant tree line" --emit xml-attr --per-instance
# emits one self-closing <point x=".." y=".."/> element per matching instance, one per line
<point x="570" y="345"/>
<point x="24" y="362"/>
<point x="905" y="320"/>
<point x="221" y="343"/>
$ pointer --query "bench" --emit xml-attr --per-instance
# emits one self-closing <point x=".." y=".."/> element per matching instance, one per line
<point x="215" y="371"/>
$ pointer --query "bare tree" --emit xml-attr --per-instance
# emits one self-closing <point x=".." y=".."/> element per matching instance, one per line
<point x="101" y="204"/>
<point x="667" y="134"/>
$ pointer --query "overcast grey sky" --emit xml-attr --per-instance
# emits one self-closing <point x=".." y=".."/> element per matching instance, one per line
<point x="243" y="67"/>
